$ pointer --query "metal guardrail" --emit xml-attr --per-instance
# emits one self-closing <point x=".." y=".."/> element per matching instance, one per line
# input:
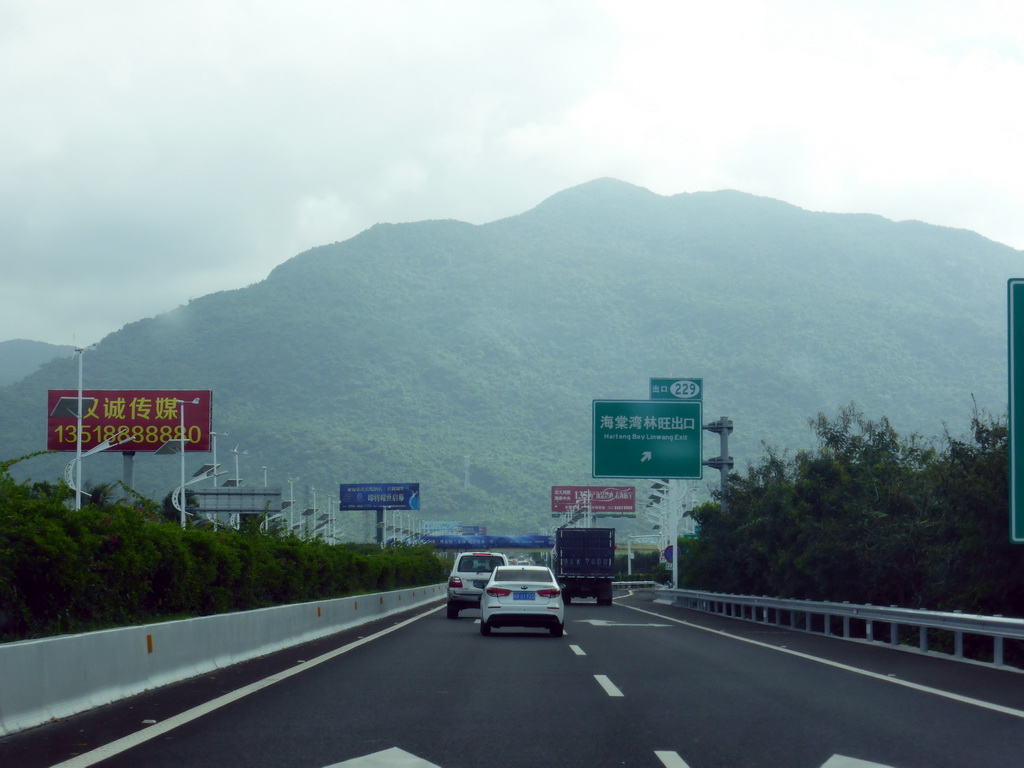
<point x="936" y="631"/>
<point x="628" y="584"/>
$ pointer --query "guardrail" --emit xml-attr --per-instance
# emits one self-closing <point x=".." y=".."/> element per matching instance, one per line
<point x="628" y="584"/>
<point x="936" y="632"/>
<point x="59" y="676"/>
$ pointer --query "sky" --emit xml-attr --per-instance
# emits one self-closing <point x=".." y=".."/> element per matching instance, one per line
<point x="156" y="152"/>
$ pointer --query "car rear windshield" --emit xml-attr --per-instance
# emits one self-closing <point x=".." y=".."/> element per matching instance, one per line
<point x="541" y="575"/>
<point x="479" y="564"/>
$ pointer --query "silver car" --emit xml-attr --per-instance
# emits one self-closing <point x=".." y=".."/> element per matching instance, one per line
<point x="522" y="596"/>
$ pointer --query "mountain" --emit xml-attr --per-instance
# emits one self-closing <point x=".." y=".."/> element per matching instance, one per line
<point x="466" y="357"/>
<point x="19" y="357"/>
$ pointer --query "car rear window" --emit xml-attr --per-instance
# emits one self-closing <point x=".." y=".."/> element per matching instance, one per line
<point x="479" y="564"/>
<point x="523" y="574"/>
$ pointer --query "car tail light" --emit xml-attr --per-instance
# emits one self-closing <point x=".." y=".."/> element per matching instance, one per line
<point x="549" y="592"/>
<point x="498" y="592"/>
<point x="455" y="581"/>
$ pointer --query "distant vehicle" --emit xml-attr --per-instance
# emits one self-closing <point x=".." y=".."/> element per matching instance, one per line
<point x="468" y="578"/>
<point x="522" y="596"/>
<point x="584" y="563"/>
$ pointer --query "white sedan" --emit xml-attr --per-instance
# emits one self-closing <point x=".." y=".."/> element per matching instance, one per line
<point x="522" y="596"/>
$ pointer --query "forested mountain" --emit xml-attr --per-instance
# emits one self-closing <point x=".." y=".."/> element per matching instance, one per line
<point x="412" y="351"/>
<point x="19" y="357"/>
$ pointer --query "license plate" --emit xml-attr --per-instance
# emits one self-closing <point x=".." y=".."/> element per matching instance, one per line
<point x="523" y="596"/>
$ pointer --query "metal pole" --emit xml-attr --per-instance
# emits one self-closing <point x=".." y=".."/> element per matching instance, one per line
<point x="673" y="528"/>
<point x="181" y="411"/>
<point x="128" y="468"/>
<point x="78" y="436"/>
<point x="291" y="505"/>
<point x="215" y="465"/>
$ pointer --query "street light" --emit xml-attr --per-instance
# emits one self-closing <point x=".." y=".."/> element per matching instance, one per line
<point x="215" y="474"/>
<point x="236" y="481"/>
<point x="64" y="408"/>
<point x="178" y="446"/>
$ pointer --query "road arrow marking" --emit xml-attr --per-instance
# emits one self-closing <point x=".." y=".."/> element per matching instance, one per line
<point x="838" y="761"/>
<point x="389" y="758"/>
<point x="645" y="456"/>
<point x="605" y="623"/>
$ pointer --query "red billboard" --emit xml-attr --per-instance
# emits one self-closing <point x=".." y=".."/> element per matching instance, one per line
<point x="604" y="500"/>
<point x="149" y="418"/>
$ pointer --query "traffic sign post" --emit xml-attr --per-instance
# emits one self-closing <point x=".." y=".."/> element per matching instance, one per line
<point x="1015" y="304"/>
<point x="648" y="438"/>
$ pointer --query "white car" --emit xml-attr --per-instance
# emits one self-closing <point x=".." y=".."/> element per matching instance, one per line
<point x="522" y="596"/>
<point x="469" y="576"/>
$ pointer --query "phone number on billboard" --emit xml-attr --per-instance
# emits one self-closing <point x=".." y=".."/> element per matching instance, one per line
<point x="66" y="435"/>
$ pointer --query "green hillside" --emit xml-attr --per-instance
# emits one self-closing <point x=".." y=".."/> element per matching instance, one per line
<point x="19" y="357"/>
<point x="395" y="355"/>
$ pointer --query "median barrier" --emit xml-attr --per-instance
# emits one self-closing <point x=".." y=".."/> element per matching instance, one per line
<point x="54" y="677"/>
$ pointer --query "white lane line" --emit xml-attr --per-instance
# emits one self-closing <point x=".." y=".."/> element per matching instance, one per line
<point x="139" y="737"/>
<point x="608" y="685"/>
<point x="577" y="650"/>
<point x="670" y="759"/>
<point x="847" y="668"/>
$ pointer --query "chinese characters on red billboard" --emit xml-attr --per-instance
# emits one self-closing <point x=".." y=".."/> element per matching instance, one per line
<point x="604" y="500"/>
<point x="149" y="418"/>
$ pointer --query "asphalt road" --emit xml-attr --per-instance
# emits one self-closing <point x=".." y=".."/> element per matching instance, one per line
<point x="635" y="684"/>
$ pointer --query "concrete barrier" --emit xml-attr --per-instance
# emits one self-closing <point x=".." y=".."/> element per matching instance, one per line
<point x="60" y="676"/>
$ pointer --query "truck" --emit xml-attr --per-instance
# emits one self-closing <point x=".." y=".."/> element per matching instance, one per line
<point x="584" y="563"/>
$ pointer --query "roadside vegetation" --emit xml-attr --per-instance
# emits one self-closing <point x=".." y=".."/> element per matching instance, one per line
<point x="868" y="517"/>
<point x="116" y="563"/>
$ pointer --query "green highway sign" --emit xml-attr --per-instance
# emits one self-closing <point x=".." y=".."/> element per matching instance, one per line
<point x="1015" y="303"/>
<point x="677" y="389"/>
<point x="648" y="438"/>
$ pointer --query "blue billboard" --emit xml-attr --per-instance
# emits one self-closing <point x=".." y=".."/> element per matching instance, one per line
<point x="529" y="541"/>
<point x="380" y="496"/>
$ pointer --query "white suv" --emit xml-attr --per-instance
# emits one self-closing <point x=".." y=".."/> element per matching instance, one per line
<point x="469" y="577"/>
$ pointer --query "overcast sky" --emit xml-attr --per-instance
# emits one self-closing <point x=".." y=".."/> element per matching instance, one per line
<point x="153" y="152"/>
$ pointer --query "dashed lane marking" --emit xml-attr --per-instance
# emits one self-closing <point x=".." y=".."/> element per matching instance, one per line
<point x="608" y="685"/>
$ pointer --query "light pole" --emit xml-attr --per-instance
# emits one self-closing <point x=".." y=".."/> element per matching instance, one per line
<point x="181" y="436"/>
<point x="216" y="466"/>
<point x="78" y="434"/>
<point x="291" y="503"/>
<point x="238" y="478"/>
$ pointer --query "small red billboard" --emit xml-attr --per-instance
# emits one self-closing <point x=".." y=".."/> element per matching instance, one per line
<point x="604" y="500"/>
<point x="145" y="419"/>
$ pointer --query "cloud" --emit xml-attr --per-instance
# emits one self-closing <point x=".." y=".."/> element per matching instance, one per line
<point x="155" y="152"/>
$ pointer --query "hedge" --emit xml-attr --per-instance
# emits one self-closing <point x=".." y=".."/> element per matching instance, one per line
<point x="116" y="564"/>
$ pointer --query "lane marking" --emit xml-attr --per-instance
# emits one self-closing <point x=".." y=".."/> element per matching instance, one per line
<point x="606" y="623"/>
<point x="140" y="737"/>
<point x="847" y="668"/>
<point x="388" y="758"/>
<point x="608" y="685"/>
<point x="670" y="759"/>
<point x="838" y="761"/>
<point x="577" y="650"/>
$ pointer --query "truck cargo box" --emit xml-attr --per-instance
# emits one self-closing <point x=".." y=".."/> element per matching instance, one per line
<point x="585" y="551"/>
